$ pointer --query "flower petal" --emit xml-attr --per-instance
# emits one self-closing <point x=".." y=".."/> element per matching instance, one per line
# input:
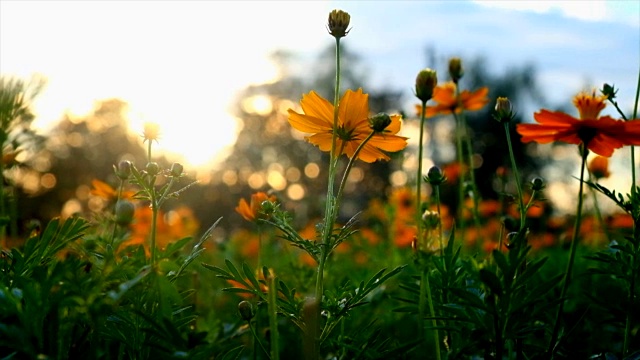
<point x="318" y="107"/>
<point x="353" y="108"/>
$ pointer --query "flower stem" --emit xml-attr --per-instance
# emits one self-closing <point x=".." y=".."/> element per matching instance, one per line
<point x="436" y="190"/>
<point x="257" y="340"/>
<point x="273" y="319"/>
<point x="345" y="176"/>
<point x="419" y="175"/>
<point x="572" y="256"/>
<point x="427" y="300"/>
<point x="523" y="210"/>
<point x="330" y="209"/>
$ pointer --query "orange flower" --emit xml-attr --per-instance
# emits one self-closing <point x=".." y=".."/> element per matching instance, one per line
<point x="599" y="167"/>
<point x="445" y="96"/>
<point x="251" y="211"/>
<point x="353" y="126"/>
<point x="103" y="190"/>
<point x="600" y="134"/>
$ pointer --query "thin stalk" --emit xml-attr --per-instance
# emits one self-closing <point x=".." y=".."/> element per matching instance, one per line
<point x="427" y="300"/>
<point x="523" y="210"/>
<point x="345" y="176"/>
<point x="572" y="256"/>
<point x="461" y="177"/>
<point x="257" y="340"/>
<point x="329" y="207"/>
<point x="419" y="175"/>
<point x="596" y="208"/>
<point x="436" y="191"/>
<point x="273" y="319"/>
<point x="154" y="223"/>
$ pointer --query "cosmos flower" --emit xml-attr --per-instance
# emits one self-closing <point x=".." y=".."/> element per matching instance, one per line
<point x="600" y="134"/>
<point x="447" y="102"/>
<point x="251" y="211"/>
<point x="353" y="126"/>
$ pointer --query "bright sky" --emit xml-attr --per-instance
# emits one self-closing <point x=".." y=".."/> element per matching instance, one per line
<point x="178" y="63"/>
<point x="175" y="63"/>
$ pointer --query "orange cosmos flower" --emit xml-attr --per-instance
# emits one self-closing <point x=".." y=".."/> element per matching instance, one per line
<point x="600" y="134"/>
<point x="445" y="96"/>
<point x="105" y="191"/>
<point x="251" y="211"/>
<point x="353" y="126"/>
<point x="599" y="167"/>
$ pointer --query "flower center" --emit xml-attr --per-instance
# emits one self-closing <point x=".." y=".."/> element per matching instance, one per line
<point x="344" y="134"/>
<point x="586" y="134"/>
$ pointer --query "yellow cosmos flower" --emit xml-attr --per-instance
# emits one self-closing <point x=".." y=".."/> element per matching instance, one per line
<point x="353" y="126"/>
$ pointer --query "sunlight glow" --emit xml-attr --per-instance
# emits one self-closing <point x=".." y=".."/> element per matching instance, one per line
<point x="181" y="69"/>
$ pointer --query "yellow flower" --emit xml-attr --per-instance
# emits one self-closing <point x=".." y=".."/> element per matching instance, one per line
<point x="151" y="131"/>
<point x="352" y="128"/>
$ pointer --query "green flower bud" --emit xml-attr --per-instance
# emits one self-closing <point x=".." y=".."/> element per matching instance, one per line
<point x="338" y="23"/>
<point x="537" y="184"/>
<point x="124" y="212"/>
<point x="246" y="310"/>
<point x="430" y="219"/>
<point x="152" y="168"/>
<point x="435" y="176"/>
<point x="455" y="69"/>
<point x="426" y="81"/>
<point x="379" y="122"/>
<point x="609" y="91"/>
<point x="123" y="170"/>
<point x="176" y="169"/>
<point x="503" y="113"/>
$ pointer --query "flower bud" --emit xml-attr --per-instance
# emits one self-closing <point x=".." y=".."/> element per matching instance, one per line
<point x="435" y="176"/>
<point x="426" y="81"/>
<point x="124" y="212"/>
<point x="430" y="219"/>
<point x="152" y="168"/>
<point x="609" y="91"/>
<point x="455" y="69"/>
<point x="246" y="310"/>
<point x="338" y="23"/>
<point x="176" y="169"/>
<point x="379" y="122"/>
<point x="537" y="184"/>
<point x="503" y="113"/>
<point x="123" y="170"/>
<point x="599" y="167"/>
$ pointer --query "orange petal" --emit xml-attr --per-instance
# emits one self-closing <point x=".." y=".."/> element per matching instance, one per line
<point x="318" y="107"/>
<point x="307" y="124"/>
<point x="353" y="108"/>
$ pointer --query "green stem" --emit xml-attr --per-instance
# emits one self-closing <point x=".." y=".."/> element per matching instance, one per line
<point x="330" y="203"/>
<point x="461" y="176"/>
<point x="154" y="222"/>
<point x="257" y="340"/>
<point x="427" y="300"/>
<point x="436" y="190"/>
<point x="345" y="176"/>
<point x="273" y="319"/>
<point x="419" y="178"/>
<point x="572" y="255"/>
<point x="523" y="210"/>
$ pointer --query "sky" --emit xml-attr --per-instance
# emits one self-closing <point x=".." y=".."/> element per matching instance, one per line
<point x="179" y="63"/>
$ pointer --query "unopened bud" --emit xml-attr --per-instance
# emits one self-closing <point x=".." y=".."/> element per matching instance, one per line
<point x="426" y="81"/>
<point x="123" y="170"/>
<point x="609" y="91"/>
<point x="537" y="184"/>
<point x="124" y="212"/>
<point x="246" y="310"/>
<point x="379" y="122"/>
<point x="176" y="170"/>
<point x="503" y="113"/>
<point x="152" y="168"/>
<point x="430" y="219"/>
<point x="455" y="69"/>
<point x="338" y="23"/>
<point x="435" y="176"/>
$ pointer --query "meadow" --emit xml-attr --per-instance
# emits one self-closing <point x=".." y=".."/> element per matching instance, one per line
<point x="434" y="269"/>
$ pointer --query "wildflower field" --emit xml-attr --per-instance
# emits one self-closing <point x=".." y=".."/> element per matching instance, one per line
<point x="435" y="269"/>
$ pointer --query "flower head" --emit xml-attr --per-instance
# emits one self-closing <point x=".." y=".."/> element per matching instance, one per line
<point x="600" y="134"/>
<point x="338" y="23"/>
<point x="352" y="128"/>
<point x="426" y="82"/>
<point x="251" y="211"/>
<point x="455" y="69"/>
<point x="448" y="102"/>
<point x="599" y="167"/>
<point x="151" y="131"/>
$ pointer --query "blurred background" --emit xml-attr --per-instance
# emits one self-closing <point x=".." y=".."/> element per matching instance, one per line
<point x="219" y="77"/>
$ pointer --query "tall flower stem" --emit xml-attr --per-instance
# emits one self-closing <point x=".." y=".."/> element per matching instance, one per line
<point x="514" y="166"/>
<point x="347" y="170"/>
<point x="436" y="191"/>
<point x="572" y="254"/>
<point x="461" y="177"/>
<point x="330" y="209"/>
<point x="419" y="174"/>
